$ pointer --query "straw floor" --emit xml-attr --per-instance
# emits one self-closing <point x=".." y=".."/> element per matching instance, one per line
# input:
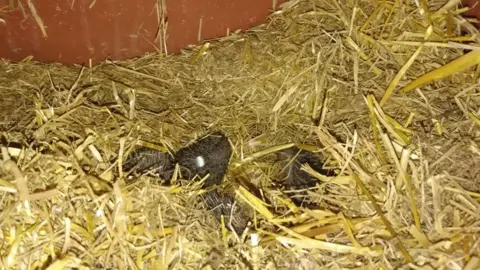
<point x="324" y="74"/>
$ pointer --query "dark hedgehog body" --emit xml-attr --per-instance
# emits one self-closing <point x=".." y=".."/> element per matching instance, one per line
<point x="226" y="206"/>
<point x="208" y="155"/>
<point x="294" y="178"/>
<point x="144" y="159"/>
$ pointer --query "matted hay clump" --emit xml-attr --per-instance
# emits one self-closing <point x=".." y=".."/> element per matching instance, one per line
<point x="322" y="74"/>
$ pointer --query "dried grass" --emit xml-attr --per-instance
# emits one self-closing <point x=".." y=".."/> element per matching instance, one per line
<point x="323" y="74"/>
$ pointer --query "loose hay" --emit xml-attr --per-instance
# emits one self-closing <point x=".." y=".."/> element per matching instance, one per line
<point x="318" y="74"/>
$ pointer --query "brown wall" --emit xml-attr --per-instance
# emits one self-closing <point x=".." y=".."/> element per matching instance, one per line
<point x="117" y="29"/>
<point x="474" y="12"/>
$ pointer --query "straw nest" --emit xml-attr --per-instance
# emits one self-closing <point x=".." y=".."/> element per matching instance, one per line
<point x="385" y="91"/>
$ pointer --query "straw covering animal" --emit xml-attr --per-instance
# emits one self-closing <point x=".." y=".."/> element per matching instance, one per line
<point x="210" y="156"/>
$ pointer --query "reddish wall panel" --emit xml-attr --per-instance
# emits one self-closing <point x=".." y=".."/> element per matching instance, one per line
<point x="117" y="29"/>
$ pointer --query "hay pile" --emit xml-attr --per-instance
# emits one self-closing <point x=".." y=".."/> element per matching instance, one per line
<point x="321" y="74"/>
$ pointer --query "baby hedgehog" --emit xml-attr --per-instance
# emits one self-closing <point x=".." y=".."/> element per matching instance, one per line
<point x="225" y="205"/>
<point x="294" y="178"/>
<point x="208" y="155"/>
<point x="144" y="159"/>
